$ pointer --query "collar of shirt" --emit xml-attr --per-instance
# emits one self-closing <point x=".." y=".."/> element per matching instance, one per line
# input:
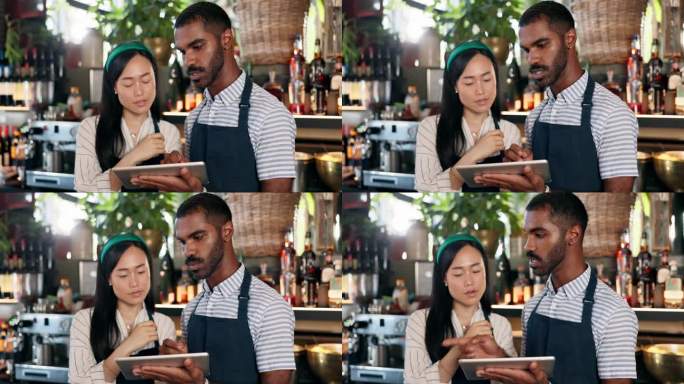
<point x="121" y="323"/>
<point x="571" y="94"/>
<point x="228" y="287"/>
<point x="478" y="315"/>
<point x="229" y="95"/>
<point x="574" y="288"/>
<point x="146" y="126"/>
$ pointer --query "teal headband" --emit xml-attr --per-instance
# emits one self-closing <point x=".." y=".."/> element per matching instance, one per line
<point x="121" y="48"/>
<point x="122" y="238"/>
<point x="470" y="44"/>
<point x="453" y="239"/>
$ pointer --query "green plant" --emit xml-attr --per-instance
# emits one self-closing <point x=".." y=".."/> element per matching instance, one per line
<point x="476" y="19"/>
<point x="448" y="213"/>
<point x="12" y="48"/>
<point x="135" y="19"/>
<point x="112" y="213"/>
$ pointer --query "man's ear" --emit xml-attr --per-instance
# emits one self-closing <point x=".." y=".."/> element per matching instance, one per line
<point x="573" y="235"/>
<point x="227" y="231"/>
<point x="227" y="39"/>
<point x="570" y="38"/>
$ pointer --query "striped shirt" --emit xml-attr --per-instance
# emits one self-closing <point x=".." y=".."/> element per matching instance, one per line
<point x="430" y="177"/>
<point x="271" y="129"/>
<point x="270" y="318"/>
<point x="614" y="325"/>
<point x="419" y="368"/>
<point x="613" y="126"/>
<point x="89" y="176"/>
<point x="82" y="365"/>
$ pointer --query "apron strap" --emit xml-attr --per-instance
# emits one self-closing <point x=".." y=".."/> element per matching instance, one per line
<point x="587" y="103"/>
<point x="243" y="118"/>
<point x="588" y="306"/>
<point x="149" y="313"/>
<point x="156" y="125"/>
<point x="243" y="297"/>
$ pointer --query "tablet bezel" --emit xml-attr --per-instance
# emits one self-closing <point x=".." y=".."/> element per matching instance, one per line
<point x="126" y="364"/>
<point x="125" y="174"/>
<point x="470" y="366"/>
<point x="468" y="172"/>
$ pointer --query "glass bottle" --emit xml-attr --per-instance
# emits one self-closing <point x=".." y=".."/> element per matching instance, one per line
<point x="503" y="276"/>
<point x="520" y="286"/>
<point x="400" y="295"/>
<point x="656" y="79"/>
<point x="634" y="76"/>
<point x="319" y="81"/>
<point x="296" y="91"/>
<point x="273" y="87"/>
<point x="288" y="278"/>
<point x="646" y="281"/>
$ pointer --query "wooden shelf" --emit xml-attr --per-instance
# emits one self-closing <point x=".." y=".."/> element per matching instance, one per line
<point x="302" y="121"/>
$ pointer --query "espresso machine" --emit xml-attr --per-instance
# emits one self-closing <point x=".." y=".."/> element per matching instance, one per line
<point x="392" y="156"/>
<point x="376" y="348"/>
<point x="42" y="353"/>
<point x="51" y="155"/>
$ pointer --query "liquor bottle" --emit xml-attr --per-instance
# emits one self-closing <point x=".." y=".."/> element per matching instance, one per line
<point x="265" y="276"/>
<point x="273" y="86"/>
<point x="601" y="276"/>
<point x="400" y="295"/>
<point x="183" y="287"/>
<point x="503" y="276"/>
<point x="288" y="282"/>
<point x="646" y="281"/>
<point x="296" y="90"/>
<point x="655" y="80"/>
<point x="167" y="279"/>
<point x="528" y="96"/>
<point x="634" y="76"/>
<point x="662" y="275"/>
<point x="611" y="85"/>
<point x="623" y="278"/>
<point x="319" y="81"/>
<point x="311" y="274"/>
<point x="538" y="286"/>
<point x="673" y="288"/>
<point x="336" y="85"/>
<point x="513" y="100"/>
<point x="175" y="97"/>
<point x="521" y="287"/>
<point x="7" y="145"/>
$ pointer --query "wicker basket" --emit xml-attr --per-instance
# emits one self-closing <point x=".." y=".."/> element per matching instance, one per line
<point x="605" y="28"/>
<point x="608" y="218"/>
<point x="268" y="29"/>
<point x="261" y="221"/>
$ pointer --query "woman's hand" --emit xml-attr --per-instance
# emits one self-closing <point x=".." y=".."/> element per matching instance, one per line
<point x="143" y="334"/>
<point x="448" y="365"/>
<point x="151" y="146"/>
<point x="488" y="145"/>
<point x="479" y="328"/>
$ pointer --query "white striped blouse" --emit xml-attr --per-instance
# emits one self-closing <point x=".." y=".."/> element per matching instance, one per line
<point x="613" y="323"/>
<point x="419" y="368"/>
<point x="82" y="365"/>
<point x="272" y="128"/>
<point x="613" y="126"/>
<point x="270" y="318"/>
<point x="89" y="176"/>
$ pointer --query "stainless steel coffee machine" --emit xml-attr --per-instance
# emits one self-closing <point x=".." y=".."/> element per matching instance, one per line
<point x="376" y="348"/>
<point x="42" y="353"/>
<point x="51" y="154"/>
<point x="393" y="152"/>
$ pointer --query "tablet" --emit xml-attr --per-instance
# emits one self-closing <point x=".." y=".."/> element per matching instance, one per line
<point x="125" y="174"/>
<point x="126" y="364"/>
<point x="468" y="172"/>
<point x="470" y="366"/>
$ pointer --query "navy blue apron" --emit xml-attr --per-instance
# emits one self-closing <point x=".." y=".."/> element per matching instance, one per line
<point x="228" y="341"/>
<point x="152" y="161"/>
<point x="570" y="150"/>
<point x="498" y="158"/>
<point x="120" y="379"/>
<point x="460" y="377"/>
<point x="227" y="151"/>
<point x="572" y="344"/>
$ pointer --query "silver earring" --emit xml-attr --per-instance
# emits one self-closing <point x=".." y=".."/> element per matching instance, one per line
<point x="445" y="284"/>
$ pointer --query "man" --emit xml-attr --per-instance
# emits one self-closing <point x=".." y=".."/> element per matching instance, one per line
<point x="243" y="134"/>
<point x="578" y="319"/>
<point x="244" y="325"/>
<point x="587" y="134"/>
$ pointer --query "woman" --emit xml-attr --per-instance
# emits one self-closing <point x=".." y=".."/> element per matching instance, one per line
<point x="128" y="131"/>
<point x="123" y="322"/>
<point x="469" y="129"/>
<point x="459" y="309"/>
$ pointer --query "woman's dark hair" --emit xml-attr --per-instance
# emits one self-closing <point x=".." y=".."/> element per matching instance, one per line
<point x="109" y="140"/>
<point x="438" y="325"/>
<point x="104" y="333"/>
<point x="451" y="141"/>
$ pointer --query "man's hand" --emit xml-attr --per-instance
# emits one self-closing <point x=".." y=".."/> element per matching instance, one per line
<point x="188" y="374"/>
<point x="171" y="347"/>
<point x="174" y="157"/>
<point x="517" y="153"/>
<point x="534" y="375"/>
<point x="186" y="182"/>
<point x="527" y="182"/>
